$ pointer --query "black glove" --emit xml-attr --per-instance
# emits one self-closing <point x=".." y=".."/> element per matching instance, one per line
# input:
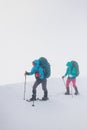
<point x="63" y="77"/>
<point x="26" y="73"/>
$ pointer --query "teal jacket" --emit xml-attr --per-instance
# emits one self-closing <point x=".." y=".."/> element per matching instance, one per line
<point x="37" y="69"/>
<point x="70" y="71"/>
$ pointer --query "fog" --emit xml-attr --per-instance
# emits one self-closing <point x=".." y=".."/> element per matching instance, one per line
<point x="30" y="29"/>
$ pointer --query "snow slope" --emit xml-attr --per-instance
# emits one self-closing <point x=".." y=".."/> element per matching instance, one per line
<point x="61" y="112"/>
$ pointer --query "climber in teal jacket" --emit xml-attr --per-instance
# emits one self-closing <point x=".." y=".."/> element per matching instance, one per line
<point x="71" y="71"/>
<point x="71" y="77"/>
<point x="38" y="71"/>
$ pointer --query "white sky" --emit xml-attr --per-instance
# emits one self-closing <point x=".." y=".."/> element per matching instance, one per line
<point x="56" y="29"/>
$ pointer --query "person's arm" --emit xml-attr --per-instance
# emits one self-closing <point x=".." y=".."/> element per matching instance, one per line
<point x="31" y="72"/>
<point x="65" y="74"/>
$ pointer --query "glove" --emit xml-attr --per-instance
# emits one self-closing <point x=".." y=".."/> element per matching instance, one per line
<point x="63" y="77"/>
<point x="26" y="73"/>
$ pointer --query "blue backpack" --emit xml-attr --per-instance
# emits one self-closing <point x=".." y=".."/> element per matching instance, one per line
<point x="46" y="66"/>
<point x="75" y="65"/>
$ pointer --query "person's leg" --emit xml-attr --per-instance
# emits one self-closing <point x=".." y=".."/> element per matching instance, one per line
<point x="75" y="87"/>
<point x="37" y="82"/>
<point x="44" y="87"/>
<point x="67" y="86"/>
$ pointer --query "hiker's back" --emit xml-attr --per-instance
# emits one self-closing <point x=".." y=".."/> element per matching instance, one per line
<point x="76" y="66"/>
<point x="46" y="66"/>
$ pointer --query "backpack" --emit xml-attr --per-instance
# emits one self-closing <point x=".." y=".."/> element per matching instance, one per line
<point x="75" y="65"/>
<point x="46" y="66"/>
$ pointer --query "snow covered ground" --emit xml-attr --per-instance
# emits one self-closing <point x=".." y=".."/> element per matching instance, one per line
<point x="61" y="112"/>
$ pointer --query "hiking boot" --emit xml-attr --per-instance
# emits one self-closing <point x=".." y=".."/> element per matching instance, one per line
<point x="33" y="98"/>
<point x="67" y="91"/>
<point x="76" y="91"/>
<point x="44" y="98"/>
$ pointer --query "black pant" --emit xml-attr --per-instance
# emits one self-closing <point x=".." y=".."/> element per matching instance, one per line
<point x="37" y="82"/>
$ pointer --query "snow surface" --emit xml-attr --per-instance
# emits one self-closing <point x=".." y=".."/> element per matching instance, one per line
<point x="60" y="112"/>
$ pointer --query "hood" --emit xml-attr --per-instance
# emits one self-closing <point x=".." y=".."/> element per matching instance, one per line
<point x="69" y="64"/>
<point x="36" y="62"/>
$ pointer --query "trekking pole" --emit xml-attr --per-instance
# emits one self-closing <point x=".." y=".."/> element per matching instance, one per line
<point x="24" y="87"/>
<point x="64" y="81"/>
<point x="33" y="103"/>
<point x="71" y="91"/>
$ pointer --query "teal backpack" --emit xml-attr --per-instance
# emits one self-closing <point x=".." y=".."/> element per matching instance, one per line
<point x="46" y="66"/>
<point x="75" y="65"/>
